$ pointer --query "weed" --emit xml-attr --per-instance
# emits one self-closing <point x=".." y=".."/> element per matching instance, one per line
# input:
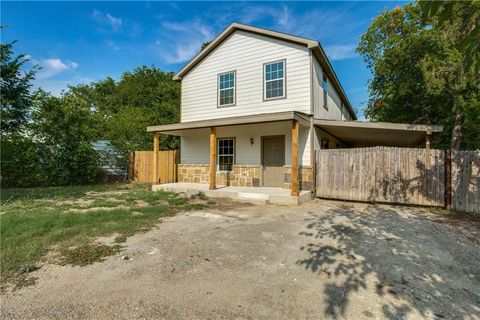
<point x="120" y="239"/>
<point x="88" y="253"/>
<point x="27" y="268"/>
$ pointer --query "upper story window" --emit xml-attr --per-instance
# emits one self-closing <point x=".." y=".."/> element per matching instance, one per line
<point x="226" y="89"/>
<point x="274" y="80"/>
<point x="325" y="91"/>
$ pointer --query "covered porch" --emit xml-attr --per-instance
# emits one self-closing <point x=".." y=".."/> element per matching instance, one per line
<point x="271" y="151"/>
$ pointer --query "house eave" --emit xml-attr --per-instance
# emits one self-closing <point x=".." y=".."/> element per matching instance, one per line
<point x="302" y="118"/>
<point x="359" y="133"/>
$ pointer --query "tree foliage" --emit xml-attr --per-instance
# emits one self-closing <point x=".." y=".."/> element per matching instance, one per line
<point x="48" y="140"/>
<point x="418" y="72"/>
<point x="146" y="96"/>
<point x="468" y="39"/>
<point x="14" y="89"/>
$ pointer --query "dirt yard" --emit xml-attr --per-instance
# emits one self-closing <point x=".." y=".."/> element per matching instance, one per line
<point x="321" y="260"/>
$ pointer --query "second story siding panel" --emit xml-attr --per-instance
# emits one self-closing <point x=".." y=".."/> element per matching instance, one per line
<point x="334" y="103"/>
<point x="245" y="53"/>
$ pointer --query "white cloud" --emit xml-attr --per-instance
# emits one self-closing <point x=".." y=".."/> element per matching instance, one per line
<point x="180" y="41"/>
<point x="52" y="67"/>
<point x="340" y="52"/>
<point x="113" y="21"/>
<point x="54" y="64"/>
<point x="106" y="20"/>
<point x="113" y="45"/>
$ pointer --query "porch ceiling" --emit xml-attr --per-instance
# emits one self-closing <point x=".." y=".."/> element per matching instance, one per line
<point x="379" y="133"/>
<point x="176" y="128"/>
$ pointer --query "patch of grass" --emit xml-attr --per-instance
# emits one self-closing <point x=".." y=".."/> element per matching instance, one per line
<point x="120" y="239"/>
<point x="88" y="253"/>
<point x="177" y="201"/>
<point x="12" y="194"/>
<point x="193" y="206"/>
<point x="27" y="268"/>
<point x="200" y="195"/>
<point x="36" y="220"/>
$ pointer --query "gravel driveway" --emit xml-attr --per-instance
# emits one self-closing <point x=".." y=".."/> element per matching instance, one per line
<point x="321" y="260"/>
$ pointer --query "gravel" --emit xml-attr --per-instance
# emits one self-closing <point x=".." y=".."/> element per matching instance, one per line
<point x="320" y="260"/>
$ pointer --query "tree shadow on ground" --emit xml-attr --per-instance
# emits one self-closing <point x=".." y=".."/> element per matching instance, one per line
<point x="416" y="266"/>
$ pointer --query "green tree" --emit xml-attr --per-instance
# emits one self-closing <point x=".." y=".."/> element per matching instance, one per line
<point x="15" y="85"/>
<point x="418" y="74"/>
<point x="204" y="45"/>
<point x="468" y="39"/>
<point x="19" y="155"/>
<point x="146" y="96"/>
<point x="65" y="129"/>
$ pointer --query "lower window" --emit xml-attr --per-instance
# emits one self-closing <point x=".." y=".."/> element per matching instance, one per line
<point x="226" y="154"/>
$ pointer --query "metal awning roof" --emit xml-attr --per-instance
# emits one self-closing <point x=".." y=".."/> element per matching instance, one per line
<point x="378" y="133"/>
<point x="303" y="119"/>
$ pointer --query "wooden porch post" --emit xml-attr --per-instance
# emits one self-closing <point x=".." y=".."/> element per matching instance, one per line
<point x="156" y="138"/>
<point x="213" y="158"/>
<point x="294" y="176"/>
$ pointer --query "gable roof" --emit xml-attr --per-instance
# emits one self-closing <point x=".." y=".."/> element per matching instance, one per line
<point x="314" y="45"/>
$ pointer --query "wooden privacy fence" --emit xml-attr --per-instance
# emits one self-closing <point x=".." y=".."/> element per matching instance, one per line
<point x="382" y="174"/>
<point x="401" y="175"/>
<point x="466" y="181"/>
<point x="141" y="166"/>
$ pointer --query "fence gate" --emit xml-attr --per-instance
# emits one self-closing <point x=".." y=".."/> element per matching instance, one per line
<point x="141" y="166"/>
<point x="382" y="174"/>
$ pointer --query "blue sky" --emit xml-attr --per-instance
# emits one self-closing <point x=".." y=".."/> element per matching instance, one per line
<point x="80" y="42"/>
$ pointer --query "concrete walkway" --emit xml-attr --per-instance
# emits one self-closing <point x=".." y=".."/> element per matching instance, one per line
<point x="255" y="195"/>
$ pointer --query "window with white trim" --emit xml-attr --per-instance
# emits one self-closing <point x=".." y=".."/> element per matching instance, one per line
<point x="226" y="89"/>
<point x="274" y="80"/>
<point x="226" y="154"/>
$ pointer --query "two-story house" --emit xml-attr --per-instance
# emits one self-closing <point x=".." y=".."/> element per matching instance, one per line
<point x="255" y="105"/>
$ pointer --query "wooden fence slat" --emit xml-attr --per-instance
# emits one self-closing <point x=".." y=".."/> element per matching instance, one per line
<point x="142" y="166"/>
<point x="382" y="174"/>
<point x="466" y="181"/>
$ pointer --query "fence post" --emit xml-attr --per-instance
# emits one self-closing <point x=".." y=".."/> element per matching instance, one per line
<point x="131" y="166"/>
<point x="448" y="179"/>
<point x="156" y="138"/>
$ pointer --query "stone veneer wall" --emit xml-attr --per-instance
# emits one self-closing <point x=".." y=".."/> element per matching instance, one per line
<point x="305" y="175"/>
<point x="240" y="176"/>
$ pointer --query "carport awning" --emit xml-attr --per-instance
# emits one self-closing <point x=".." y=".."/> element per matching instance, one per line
<point x="379" y="133"/>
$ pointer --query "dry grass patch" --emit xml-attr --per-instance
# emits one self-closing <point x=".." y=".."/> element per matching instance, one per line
<point x="67" y="220"/>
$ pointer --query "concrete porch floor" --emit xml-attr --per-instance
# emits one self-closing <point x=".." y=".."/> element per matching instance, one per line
<point x="256" y="195"/>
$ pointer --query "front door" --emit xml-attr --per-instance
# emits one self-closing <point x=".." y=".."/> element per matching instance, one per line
<point x="273" y="155"/>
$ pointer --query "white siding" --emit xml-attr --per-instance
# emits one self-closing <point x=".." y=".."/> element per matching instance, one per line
<point x="334" y="111"/>
<point x="246" y="53"/>
<point x="195" y="144"/>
